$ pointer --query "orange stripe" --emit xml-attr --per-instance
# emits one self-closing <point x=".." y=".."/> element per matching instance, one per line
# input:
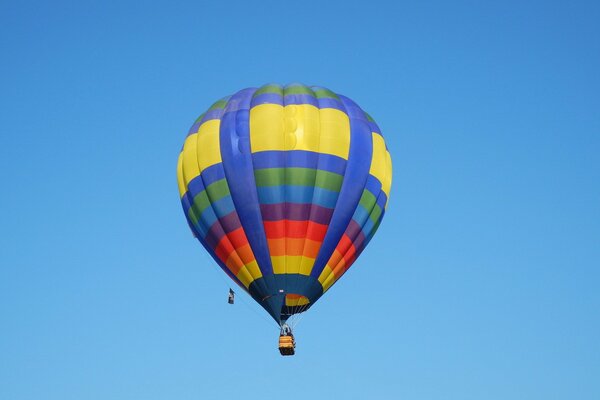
<point x="339" y="269"/>
<point x="311" y="248"/>
<point x="245" y="253"/>
<point x="234" y="263"/>
<point x="334" y="259"/>
<point x="276" y="247"/>
<point x="294" y="247"/>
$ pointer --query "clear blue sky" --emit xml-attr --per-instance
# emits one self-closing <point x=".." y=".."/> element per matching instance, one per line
<point x="483" y="281"/>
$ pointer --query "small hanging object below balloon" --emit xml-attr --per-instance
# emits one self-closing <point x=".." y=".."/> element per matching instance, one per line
<point x="284" y="186"/>
<point x="287" y="343"/>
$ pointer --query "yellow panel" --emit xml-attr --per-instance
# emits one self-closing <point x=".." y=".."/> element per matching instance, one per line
<point x="208" y="146"/>
<point x="266" y="128"/>
<point x="254" y="269"/>
<point x="306" y="265"/>
<point x="302" y="122"/>
<point x="292" y="265"/>
<point x="278" y="263"/>
<point x="190" y="162"/>
<point x="245" y="277"/>
<point x="286" y="264"/>
<point x="327" y="278"/>
<point x="378" y="160"/>
<point x="299" y="127"/>
<point x="325" y="273"/>
<point x="180" y="181"/>
<point x="335" y="132"/>
<point x="387" y="182"/>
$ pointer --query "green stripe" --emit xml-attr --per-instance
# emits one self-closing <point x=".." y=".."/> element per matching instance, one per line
<point x="298" y="177"/>
<point x="375" y="213"/>
<point x="325" y="93"/>
<point x="219" y="104"/>
<point x="270" y="88"/>
<point x="298" y="89"/>
<point x="369" y="202"/>
<point x="216" y="191"/>
<point x="200" y="204"/>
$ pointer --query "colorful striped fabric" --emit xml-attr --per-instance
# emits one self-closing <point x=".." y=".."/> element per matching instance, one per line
<point x="284" y="187"/>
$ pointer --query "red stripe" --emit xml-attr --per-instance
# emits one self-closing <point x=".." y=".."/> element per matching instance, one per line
<point x="295" y="229"/>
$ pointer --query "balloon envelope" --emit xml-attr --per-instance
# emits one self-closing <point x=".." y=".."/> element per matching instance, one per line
<point x="284" y="187"/>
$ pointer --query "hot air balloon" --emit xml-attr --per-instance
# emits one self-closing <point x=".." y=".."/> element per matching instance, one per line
<point x="284" y="186"/>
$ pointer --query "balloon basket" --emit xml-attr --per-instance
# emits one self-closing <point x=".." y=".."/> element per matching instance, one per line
<point x="287" y="345"/>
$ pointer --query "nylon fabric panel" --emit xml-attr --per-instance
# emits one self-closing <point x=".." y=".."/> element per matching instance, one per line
<point x="357" y="171"/>
<point x="239" y="172"/>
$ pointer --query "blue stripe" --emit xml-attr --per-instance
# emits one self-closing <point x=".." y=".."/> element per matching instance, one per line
<point x="381" y="200"/>
<point x="375" y="128"/>
<point x="224" y="206"/>
<point x="298" y="159"/>
<point x="267" y="98"/>
<point x="195" y="186"/>
<point x="194" y="128"/>
<point x="297" y="194"/>
<point x="368" y="226"/>
<point x="355" y="179"/>
<point x="216" y="113"/>
<point x="360" y="215"/>
<point x="237" y="162"/>
<point x="299" y="99"/>
<point x="328" y="102"/>
<point x="205" y="220"/>
<point x="213" y="173"/>
<point x="373" y="185"/>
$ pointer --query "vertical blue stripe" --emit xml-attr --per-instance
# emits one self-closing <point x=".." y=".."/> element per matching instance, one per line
<point x="239" y="171"/>
<point x="355" y="179"/>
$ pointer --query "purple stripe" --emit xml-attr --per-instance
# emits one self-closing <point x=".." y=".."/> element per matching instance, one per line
<point x="355" y="233"/>
<point x="296" y="212"/>
<point x="228" y="223"/>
